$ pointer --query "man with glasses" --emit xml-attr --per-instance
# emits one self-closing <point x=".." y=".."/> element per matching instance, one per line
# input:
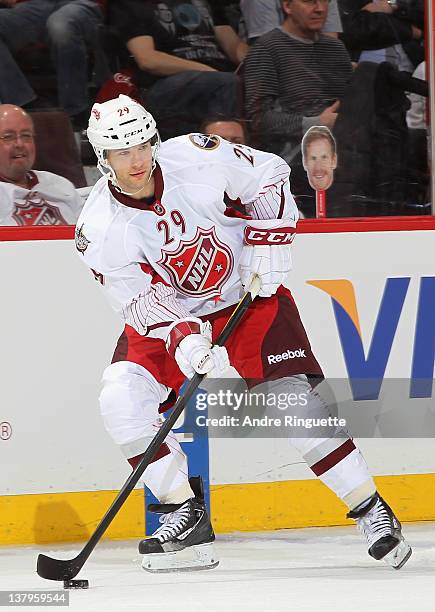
<point x="30" y="197"/>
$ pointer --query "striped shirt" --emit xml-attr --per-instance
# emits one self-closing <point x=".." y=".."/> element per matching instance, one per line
<point x="290" y="81"/>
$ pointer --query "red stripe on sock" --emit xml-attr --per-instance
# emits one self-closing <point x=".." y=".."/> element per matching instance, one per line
<point x="162" y="452"/>
<point x="333" y="458"/>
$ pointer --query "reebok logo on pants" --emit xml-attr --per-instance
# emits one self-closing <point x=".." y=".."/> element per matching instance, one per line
<point x="287" y="355"/>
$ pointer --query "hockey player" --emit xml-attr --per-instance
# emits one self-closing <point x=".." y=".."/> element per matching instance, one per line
<point x="159" y="233"/>
<point x="30" y="197"/>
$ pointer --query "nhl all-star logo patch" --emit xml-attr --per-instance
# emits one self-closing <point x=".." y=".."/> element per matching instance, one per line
<point x="82" y="242"/>
<point x="199" y="267"/>
<point x="205" y="141"/>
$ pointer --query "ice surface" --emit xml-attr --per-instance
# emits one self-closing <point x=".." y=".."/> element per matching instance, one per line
<point x="317" y="569"/>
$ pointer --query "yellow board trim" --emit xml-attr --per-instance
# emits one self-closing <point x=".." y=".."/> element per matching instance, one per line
<point x="309" y="503"/>
<point x="67" y="517"/>
<point x="71" y="517"/>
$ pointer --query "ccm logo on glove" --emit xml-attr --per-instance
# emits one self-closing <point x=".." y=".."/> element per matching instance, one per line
<point x="283" y="235"/>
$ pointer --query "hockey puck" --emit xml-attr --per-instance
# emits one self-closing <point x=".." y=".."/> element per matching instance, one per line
<point x="76" y="584"/>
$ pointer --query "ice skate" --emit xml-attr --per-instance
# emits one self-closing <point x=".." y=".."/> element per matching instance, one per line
<point x="383" y="532"/>
<point x="184" y="542"/>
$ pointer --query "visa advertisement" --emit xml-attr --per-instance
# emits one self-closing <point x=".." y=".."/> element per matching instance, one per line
<point x="371" y="323"/>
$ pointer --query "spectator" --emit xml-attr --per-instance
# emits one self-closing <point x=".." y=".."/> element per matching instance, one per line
<point x="416" y="115"/>
<point x="30" y="197"/>
<point x="69" y="26"/>
<point x="261" y="16"/>
<point x="296" y="78"/>
<point x="419" y="171"/>
<point x="384" y="30"/>
<point x="186" y="53"/>
<point x="234" y="16"/>
<point x="231" y="129"/>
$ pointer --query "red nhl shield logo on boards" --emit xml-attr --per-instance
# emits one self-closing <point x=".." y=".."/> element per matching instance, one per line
<point x="200" y="266"/>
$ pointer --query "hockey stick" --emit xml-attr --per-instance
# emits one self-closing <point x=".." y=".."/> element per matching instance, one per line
<point x="60" y="569"/>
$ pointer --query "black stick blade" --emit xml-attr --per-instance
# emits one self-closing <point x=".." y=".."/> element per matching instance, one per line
<point x="58" y="569"/>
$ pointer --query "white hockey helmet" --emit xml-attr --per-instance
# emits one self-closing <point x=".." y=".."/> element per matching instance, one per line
<point x="119" y="124"/>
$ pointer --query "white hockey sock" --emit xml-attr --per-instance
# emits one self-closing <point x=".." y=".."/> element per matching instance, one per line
<point x="350" y="479"/>
<point x="167" y="481"/>
<point x="360" y="495"/>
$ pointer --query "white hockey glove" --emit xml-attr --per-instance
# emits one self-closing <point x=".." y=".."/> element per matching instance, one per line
<point x="267" y="254"/>
<point x="189" y="342"/>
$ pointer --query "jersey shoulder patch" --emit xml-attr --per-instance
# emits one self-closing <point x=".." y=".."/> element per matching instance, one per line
<point x="81" y="241"/>
<point x="208" y="142"/>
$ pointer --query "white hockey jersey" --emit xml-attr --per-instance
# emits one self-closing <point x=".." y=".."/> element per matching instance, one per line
<point x="50" y="199"/>
<point x="178" y="255"/>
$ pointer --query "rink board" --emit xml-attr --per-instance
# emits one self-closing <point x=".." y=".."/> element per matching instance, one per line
<point x="60" y="468"/>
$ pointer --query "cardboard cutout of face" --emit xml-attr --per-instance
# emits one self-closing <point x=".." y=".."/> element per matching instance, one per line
<point x="319" y="158"/>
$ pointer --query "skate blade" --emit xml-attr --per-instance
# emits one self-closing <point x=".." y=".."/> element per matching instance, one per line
<point x="397" y="557"/>
<point x="204" y="558"/>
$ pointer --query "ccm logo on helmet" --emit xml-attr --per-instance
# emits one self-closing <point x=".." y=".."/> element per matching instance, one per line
<point x="283" y="235"/>
<point x="300" y="353"/>
<point x="133" y="133"/>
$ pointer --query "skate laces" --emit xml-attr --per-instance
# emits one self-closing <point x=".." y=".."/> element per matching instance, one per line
<point x="376" y="524"/>
<point x="173" y="523"/>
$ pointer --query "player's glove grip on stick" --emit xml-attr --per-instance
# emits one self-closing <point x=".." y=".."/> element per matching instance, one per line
<point x="267" y="254"/>
<point x="189" y="342"/>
